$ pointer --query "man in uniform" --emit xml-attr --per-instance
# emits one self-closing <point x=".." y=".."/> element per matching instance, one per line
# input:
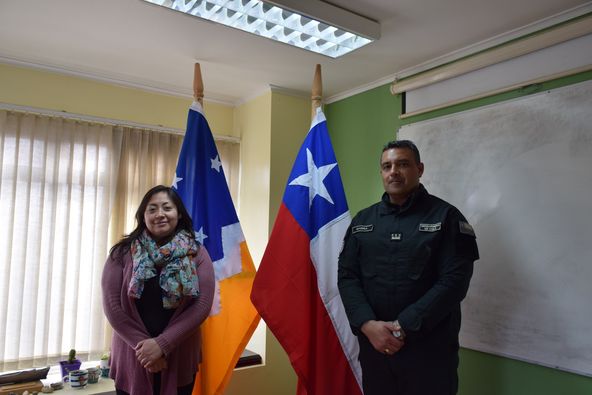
<point x="405" y="266"/>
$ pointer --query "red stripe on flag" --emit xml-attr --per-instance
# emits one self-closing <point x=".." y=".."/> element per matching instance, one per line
<point x="286" y="295"/>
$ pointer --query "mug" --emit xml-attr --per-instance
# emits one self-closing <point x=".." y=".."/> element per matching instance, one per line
<point x="78" y="378"/>
<point x="93" y="375"/>
<point x="104" y="363"/>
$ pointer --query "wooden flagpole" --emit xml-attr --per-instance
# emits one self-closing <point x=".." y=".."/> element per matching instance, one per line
<point x="317" y="90"/>
<point x="198" y="87"/>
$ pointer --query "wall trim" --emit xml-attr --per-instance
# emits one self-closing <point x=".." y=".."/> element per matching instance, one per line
<point x="290" y="92"/>
<point x="360" y="89"/>
<point x="253" y="96"/>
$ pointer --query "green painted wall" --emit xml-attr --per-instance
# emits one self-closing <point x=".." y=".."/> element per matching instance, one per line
<point x="359" y="126"/>
<point x="486" y="374"/>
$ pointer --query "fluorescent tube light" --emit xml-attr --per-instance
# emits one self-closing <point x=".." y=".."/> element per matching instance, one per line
<point x="284" y="24"/>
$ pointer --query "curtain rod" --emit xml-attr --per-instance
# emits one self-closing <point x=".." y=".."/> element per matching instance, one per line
<point x="105" y="121"/>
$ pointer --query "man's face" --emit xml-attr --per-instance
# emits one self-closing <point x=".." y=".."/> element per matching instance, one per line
<point x="400" y="173"/>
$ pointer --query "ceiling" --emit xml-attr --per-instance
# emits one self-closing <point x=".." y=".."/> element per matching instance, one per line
<point x="134" y="43"/>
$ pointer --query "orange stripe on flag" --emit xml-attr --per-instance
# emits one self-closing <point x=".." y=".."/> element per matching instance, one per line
<point x="225" y="335"/>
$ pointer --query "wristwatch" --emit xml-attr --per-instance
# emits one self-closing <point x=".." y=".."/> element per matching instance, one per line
<point x="398" y="332"/>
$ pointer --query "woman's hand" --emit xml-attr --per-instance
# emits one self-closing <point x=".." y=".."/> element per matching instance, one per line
<point x="157" y="366"/>
<point x="148" y="351"/>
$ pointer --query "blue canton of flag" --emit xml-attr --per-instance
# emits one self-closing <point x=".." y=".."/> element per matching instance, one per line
<point x="315" y="179"/>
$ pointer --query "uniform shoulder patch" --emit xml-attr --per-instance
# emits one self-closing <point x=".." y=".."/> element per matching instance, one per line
<point x="362" y="228"/>
<point x="466" y="228"/>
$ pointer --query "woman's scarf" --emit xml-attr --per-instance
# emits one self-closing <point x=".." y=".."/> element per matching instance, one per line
<point x="178" y="273"/>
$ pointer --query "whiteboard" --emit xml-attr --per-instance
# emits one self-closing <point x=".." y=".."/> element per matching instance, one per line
<point x="521" y="172"/>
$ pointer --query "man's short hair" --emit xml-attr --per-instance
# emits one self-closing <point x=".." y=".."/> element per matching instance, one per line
<point x="408" y="144"/>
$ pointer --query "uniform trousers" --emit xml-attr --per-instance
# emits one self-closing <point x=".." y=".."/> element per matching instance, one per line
<point x="416" y="369"/>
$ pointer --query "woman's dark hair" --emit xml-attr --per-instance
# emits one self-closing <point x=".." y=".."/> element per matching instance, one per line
<point x="185" y="222"/>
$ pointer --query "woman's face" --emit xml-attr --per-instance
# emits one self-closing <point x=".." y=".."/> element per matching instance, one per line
<point x="161" y="216"/>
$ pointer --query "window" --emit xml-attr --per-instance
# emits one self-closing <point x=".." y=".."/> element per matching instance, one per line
<point x="69" y="190"/>
<point x="55" y="191"/>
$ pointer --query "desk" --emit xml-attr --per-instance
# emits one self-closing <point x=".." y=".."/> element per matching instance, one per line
<point x="105" y="386"/>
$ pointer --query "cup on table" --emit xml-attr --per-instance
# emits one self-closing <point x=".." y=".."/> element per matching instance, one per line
<point x="78" y="378"/>
<point x="93" y="375"/>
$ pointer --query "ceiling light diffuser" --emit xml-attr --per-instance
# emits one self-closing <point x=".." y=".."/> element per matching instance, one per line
<point x="282" y="24"/>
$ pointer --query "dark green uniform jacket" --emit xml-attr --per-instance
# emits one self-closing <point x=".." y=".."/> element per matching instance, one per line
<point x="412" y="263"/>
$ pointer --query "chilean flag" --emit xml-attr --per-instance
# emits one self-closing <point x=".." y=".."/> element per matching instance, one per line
<point x="295" y="288"/>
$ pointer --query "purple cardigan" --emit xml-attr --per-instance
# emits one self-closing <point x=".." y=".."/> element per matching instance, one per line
<point x="180" y="341"/>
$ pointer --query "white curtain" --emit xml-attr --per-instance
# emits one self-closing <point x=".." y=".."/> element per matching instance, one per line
<point x="69" y="190"/>
<point x="57" y="184"/>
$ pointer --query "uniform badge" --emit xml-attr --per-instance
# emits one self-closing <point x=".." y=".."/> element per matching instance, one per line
<point x="362" y="228"/>
<point x="430" y="227"/>
<point x="466" y="228"/>
<point x="396" y="236"/>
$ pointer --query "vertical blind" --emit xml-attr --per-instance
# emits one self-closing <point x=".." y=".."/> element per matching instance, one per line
<point x="69" y="190"/>
<point x="56" y="184"/>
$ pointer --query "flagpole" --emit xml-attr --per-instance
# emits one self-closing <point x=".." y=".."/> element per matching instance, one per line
<point x="317" y="90"/>
<point x="202" y="187"/>
<point x="299" y="268"/>
<point x="198" y="87"/>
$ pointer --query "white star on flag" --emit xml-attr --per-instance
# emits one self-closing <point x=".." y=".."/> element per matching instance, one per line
<point x="200" y="235"/>
<point x="216" y="164"/>
<point x="313" y="180"/>
<point x="176" y="180"/>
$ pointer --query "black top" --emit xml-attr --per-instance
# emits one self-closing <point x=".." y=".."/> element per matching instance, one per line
<point x="411" y="262"/>
<point x="152" y="312"/>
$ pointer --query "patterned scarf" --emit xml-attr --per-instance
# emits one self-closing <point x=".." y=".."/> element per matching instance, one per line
<point x="178" y="273"/>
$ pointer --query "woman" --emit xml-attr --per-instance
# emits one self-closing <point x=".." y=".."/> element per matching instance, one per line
<point x="158" y="287"/>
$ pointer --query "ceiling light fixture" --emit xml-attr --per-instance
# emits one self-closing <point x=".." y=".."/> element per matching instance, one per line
<point x="308" y="24"/>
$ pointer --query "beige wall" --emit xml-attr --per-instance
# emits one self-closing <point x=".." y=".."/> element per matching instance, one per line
<point x="290" y="122"/>
<point x="51" y="91"/>
<point x="252" y="122"/>
<point x="272" y="128"/>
